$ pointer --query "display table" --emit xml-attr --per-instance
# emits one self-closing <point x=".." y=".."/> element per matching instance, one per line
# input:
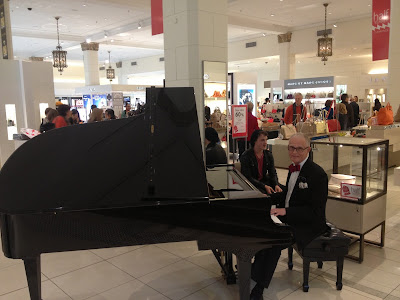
<point x="391" y="133"/>
<point x="367" y="161"/>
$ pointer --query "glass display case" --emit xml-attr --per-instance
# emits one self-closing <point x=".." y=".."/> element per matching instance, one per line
<point x="357" y="173"/>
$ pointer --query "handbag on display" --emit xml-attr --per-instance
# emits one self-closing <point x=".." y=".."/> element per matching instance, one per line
<point x="307" y="128"/>
<point x="385" y="115"/>
<point x="287" y="131"/>
<point x="333" y="124"/>
<point x="373" y="120"/>
<point x="321" y="127"/>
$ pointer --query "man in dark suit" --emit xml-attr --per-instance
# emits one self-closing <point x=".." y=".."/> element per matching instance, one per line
<point x="301" y="205"/>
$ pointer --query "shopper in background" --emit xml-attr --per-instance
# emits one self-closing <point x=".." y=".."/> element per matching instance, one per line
<point x="125" y="113"/>
<point x="328" y="110"/>
<point x="349" y="114"/>
<point x="341" y="112"/>
<point x="51" y="114"/>
<point x="215" y="154"/>
<point x="257" y="164"/>
<point x="252" y="124"/>
<point x="58" y="103"/>
<point x="356" y="110"/>
<point x="301" y="205"/>
<point x="109" y="114"/>
<point x="96" y="115"/>
<point x="64" y="114"/>
<point x="75" y="117"/>
<point x="46" y="119"/>
<point x="378" y="105"/>
<point x="296" y="112"/>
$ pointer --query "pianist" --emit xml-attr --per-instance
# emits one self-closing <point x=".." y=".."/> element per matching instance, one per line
<point x="302" y="206"/>
<point x="257" y="164"/>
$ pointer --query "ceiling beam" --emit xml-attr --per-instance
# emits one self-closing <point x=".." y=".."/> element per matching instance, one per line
<point x="256" y="24"/>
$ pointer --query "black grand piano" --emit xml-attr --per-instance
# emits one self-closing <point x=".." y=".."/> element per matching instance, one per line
<point x="141" y="180"/>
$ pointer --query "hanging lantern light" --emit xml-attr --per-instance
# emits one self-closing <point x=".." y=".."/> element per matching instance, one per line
<point x="325" y="43"/>
<point x="59" y="55"/>
<point x="110" y="71"/>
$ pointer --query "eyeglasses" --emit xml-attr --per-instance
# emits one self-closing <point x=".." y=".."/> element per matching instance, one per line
<point x="298" y="150"/>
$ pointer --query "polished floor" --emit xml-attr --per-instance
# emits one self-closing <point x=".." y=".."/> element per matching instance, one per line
<point x="179" y="271"/>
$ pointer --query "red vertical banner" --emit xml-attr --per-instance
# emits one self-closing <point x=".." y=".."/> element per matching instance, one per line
<point x="380" y="29"/>
<point x="157" y="17"/>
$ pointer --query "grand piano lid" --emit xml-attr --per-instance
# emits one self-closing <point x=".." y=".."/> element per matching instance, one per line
<point x="151" y="159"/>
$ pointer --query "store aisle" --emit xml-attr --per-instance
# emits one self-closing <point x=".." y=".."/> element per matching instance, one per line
<point x="179" y="271"/>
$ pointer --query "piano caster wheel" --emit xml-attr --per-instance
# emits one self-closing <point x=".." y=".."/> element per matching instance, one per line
<point x="320" y="264"/>
<point x="305" y="288"/>
<point x="290" y="266"/>
<point x="339" y="286"/>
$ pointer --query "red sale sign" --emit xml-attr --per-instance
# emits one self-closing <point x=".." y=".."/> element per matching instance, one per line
<point x="239" y="121"/>
<point x="380" y="29"/>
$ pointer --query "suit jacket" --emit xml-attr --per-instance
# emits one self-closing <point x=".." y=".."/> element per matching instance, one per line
<point x="249" y="168"/>
<point x="306" y="211"/>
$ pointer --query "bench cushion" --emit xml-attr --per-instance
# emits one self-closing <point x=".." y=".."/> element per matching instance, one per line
<point x="331" y="244"/>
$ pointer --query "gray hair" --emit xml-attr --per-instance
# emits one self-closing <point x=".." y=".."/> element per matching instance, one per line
<point x="304" y="137"/>
<point x="299" y="94"/>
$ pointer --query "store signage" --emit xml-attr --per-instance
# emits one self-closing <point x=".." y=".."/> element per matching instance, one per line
<point x="3" y="30"/>
<point x="157" y="25"/>
<point x="239" y="121"/>
<point x="79" y="104"/>
<point x="350" y="191"/>
<point x="306" y="83"/>
<point x="380" y="29"/>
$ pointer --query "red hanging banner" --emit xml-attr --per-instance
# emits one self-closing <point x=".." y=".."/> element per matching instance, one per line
<point x="380" y="29"/>
<point x="157" y="17"/>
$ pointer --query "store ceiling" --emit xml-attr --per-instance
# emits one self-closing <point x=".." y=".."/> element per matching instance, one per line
<point x="34" y="31"/>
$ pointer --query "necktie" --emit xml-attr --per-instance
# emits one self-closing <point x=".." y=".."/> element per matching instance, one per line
<point x="294" y="168"/>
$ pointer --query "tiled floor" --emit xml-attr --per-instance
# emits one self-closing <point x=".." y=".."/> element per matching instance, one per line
<point x="180" y="271"/>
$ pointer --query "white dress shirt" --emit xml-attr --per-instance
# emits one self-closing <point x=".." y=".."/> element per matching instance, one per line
<point x="292" y="182"/>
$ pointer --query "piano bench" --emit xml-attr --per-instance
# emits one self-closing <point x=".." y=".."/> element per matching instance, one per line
<point x="331" y="246"/>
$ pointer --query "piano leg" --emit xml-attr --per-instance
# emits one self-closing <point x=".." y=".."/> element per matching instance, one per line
<point x="33" y="275"/>
<point x="244" y="272"/>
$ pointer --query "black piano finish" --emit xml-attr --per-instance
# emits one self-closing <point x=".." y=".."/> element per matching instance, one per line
<point x="159" y="196"/>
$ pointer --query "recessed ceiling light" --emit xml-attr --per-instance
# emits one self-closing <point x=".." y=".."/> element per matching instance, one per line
<point x="272" y="15"/>
<point x="263" y="34"/>
<point x="139" y="26"/>
<point x="334" y="25"/>
<point x="112" y="41"/>
<point x="83" y="4"/>
<point x="105" y="19"/>
<point x="298" y="61"/>
<point x="349" y="54"/>
<point x="369" y="4"/>
<point x="17" y="7"/>
<point x="329" y="13"/>
<point x="88" y="40"/>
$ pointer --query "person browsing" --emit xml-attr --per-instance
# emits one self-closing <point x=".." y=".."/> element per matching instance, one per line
<point x="295" y="112"/>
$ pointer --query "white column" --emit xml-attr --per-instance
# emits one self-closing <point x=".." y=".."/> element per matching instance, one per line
<point x="286" y="59"/>
<point x="194" y="31"/>
<point x="91" y="63"/>
<point x="7" y="22"/>
<point x="393" y="95"/>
